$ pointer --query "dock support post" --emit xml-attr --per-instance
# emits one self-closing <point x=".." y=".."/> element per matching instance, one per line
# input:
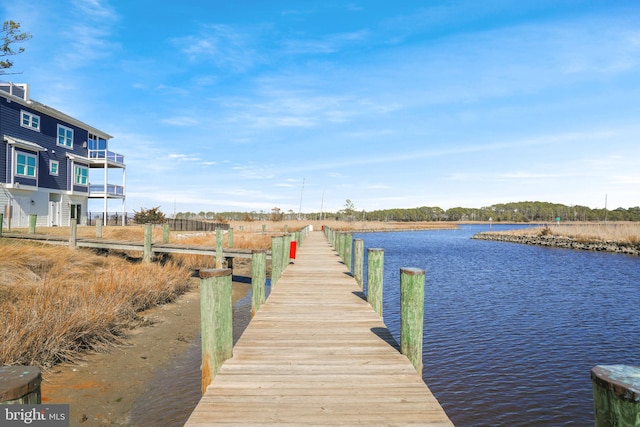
<point x="73" y="233"/>
<point x="20" y="385"/>
<point x="165" y="233"/>
<point x="286" y="251"/>
<point x="219" y="254"/>
<point x="375" y="275"/>
<point x="216" y="321"/>
<point x="258" y="280"/>
<point x="32" y="223"/>
<point x="99" y="229"/>
<point x="412" y="314"/>
<point x="146" y="255"/>
<point x="616" y="395"/>
<point x="276" y="258"/>
<point x="358" y="261"/>
<point x="348" y="250"/>
<point x="230" y="238"/>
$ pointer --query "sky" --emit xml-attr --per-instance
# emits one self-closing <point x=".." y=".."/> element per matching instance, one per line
<point x="302" y="105"/>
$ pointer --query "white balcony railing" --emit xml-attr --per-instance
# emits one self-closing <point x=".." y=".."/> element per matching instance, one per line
<point x="111" y="190"/>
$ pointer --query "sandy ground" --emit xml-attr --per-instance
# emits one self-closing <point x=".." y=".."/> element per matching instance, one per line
<point x="103" y="388"/>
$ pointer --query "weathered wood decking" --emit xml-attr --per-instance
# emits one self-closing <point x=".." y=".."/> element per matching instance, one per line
<point x="317" y="354"/>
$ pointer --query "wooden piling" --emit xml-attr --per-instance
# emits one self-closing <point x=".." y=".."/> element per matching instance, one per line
<point x="99" y="229"/>
<point x="375" y="275"/>
<point x="20" y="385"/>
<point x="216" y="312"/>
<point x="219" y="254"/>
<point x="616" y="395"/>
<point x="165" y="233"/>
<point x="73" y="233"/>
<point x="348" y="248"/>
<point x="276" y="258"/>
<point x="258" y="280"/>
<point x="148" y="233"/>
<point x="230" y="238"/>
<point x="32" y="223"/>
<point x="358" y="261"/>
<point x="412" y="314"/>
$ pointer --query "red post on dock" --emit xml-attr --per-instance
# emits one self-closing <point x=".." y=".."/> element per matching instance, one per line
<point x="292" y="249"/>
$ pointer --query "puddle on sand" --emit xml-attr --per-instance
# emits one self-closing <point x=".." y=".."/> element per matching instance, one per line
<point x="175" y="392"/>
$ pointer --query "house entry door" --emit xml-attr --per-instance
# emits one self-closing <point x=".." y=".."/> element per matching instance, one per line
<point x="54" y="213"/>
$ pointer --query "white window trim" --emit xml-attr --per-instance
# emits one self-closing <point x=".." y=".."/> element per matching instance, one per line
<point x="24" y="113"/>
<point x="35" y="170"/>
<point x="58" y="136"/>
<point x="77" y="167"/>
<point x="51" y="163"/>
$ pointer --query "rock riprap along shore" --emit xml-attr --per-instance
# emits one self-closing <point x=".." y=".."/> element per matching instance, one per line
<point x="561" y="242"/>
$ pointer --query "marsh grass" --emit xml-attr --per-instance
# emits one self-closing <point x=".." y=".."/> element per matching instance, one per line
<point x="625" y="233"/>
<point x="56" y="303"/>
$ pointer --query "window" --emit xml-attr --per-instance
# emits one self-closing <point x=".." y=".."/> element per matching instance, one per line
<point x="29" y="120"/>
<point x="65" y="136"/>
<point x="26" y="165"/>
<point x="53" y="167"/>
<point x="81" y="175"/>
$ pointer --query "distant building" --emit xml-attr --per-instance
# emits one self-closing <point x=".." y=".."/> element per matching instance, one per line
<point x="52" y="164"/>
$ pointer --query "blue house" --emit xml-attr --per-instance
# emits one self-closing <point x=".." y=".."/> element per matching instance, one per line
<point x="51" y="164"/>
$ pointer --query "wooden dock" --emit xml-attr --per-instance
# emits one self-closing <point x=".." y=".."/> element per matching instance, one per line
<point x="317" y="354"/>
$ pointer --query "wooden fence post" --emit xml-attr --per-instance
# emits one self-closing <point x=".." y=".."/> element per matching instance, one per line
<point x="165" y="233"/>
<point x="219" y="254"/>
<point x="20" y="385"/>
<point x="358" y="261"/>
<point x="616" y="395"/>
<point x="32" y="223"/>
<point x="147" y="254"/>
<point x="258" y="280"/>
<point x="230" y="238"/>
<point x="1" y="222"/>
<point x="99" y="229"/>
<point x="348" y="247"/>
<point x="412" y="314"/>
<point x="73" y="233"/>
<point x="264" y="227"/>
<point x="216" y="321"/>
<point x="375" y="275"/>
<point x="276" y="258"/>
<point x="286" y="251"/>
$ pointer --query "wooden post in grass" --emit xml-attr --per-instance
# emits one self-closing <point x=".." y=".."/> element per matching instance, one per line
<point x="146" y="254"/>
<point x="375" y="274"/>
<point x="358" y="261"/>
<point x="219" y="254"/>
<point x="230" y="238"/>
<point x="258" y="280"/>
<point x="20" y="385"/>
<point x="1" y="222"/>
<point x="73" y="233"/>
<point x="165" y="233"/>
<point x="412" y="314"/>
<point x="99" y="229"/>
<point x="616" y="395"/>
<point x="216" y="321"/>
<point x="32" y="223"/>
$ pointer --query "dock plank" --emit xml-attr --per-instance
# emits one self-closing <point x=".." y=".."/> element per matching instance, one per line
<point x="317" y="354"/>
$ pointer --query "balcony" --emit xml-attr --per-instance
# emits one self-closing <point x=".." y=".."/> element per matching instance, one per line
<point x="110" y="190"/>
<point x="110" y="156"/>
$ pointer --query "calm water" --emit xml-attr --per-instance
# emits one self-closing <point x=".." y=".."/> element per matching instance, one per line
<point x="512" y="331"/>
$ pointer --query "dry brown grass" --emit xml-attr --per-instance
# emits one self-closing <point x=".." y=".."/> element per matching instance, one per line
<point x="623" y="232"/>
<point x="56" y="302"/>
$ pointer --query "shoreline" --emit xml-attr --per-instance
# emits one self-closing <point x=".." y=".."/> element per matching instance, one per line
<point x="561" y="242"/>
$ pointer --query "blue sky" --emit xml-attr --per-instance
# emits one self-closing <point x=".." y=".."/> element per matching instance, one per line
<point x="301" y="105"/>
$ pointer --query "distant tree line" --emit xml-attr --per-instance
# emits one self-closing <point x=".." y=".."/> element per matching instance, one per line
<point x="503" y="212"/>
